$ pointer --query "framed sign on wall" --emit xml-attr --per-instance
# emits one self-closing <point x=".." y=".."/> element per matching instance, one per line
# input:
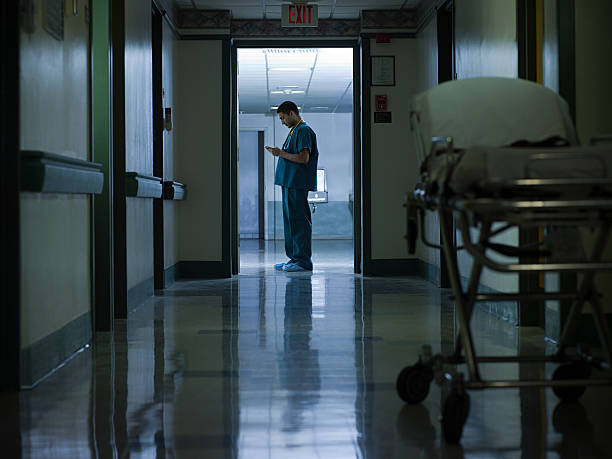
<point x="383" y="70"/>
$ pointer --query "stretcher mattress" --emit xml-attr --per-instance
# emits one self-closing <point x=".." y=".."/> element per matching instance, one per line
<point x="491" y="111"/>
<point x="476" y="168"/>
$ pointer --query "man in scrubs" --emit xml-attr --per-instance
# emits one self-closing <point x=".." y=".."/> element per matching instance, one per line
<point x="296" y="174"/>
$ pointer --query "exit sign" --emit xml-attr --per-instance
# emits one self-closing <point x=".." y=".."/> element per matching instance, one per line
<point x="300" y="15"/>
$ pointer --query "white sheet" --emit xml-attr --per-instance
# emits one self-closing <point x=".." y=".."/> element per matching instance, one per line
<point x="491" y="112"/>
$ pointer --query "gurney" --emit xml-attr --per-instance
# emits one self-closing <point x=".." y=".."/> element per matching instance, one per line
<point x="504" y="155"/>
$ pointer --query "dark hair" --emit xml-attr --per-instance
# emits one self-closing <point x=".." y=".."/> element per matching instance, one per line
<point x="287" y="107"/>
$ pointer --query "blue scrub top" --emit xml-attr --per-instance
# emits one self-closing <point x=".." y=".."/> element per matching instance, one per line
<point x="294" y="175"/>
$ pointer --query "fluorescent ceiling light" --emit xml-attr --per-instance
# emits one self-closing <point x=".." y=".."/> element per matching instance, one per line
<point x="288" y="91"/>
<point x="320" y="108"/>
<point x="289" y="69"/>
<point x="275" y="107"/>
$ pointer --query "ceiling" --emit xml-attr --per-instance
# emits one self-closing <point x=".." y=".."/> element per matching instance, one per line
<point x="319" y="80"/>
<point x="271" y="9"/>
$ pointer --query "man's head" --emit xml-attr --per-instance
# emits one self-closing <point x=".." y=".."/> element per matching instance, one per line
<point x="288" y="113"/>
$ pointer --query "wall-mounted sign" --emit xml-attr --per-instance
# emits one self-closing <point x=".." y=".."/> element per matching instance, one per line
<point x="381" y="102"/>
<point x="300" y="15"/>
<point x="383" y="70"/>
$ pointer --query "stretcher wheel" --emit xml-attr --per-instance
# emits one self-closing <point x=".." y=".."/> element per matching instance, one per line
<point x="574" y="370"/>
<point x="456" y="410"/>
<point x="413" y="383"/>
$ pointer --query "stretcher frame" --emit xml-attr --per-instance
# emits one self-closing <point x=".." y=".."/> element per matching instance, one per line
<point x="553" y="202"/>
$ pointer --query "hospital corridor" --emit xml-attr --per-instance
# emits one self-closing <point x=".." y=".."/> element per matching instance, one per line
<point x="370" y="229"/>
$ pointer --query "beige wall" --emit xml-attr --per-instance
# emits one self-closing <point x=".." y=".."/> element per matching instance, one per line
<point x="171" y="254"/>
<point x="394" y="167"/>
<point x="55" y="229"/>
<point x="198" y="147"/>
<point x="138" y="137"/>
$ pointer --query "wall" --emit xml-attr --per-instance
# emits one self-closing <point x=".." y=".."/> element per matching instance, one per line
<point x="485" y="38"/>
<point x="171" y="246"/>
<point x="594" y="95"/>
<point x="198" y="147"/>
<point x="54" y="117"/>
<point x="427" y="55"/>
<point x="394" y="166"/>
<point x="550" y="45"/>
<point x="485" y="45"/>
<point x="138" y="138"/>
<point x="335" y="143"/>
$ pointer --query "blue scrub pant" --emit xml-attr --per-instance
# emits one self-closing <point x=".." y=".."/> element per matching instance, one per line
<point x="298" y="226"/>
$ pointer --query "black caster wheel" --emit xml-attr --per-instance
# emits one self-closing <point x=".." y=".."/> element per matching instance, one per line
<point x="456" y="410"/>
<point x="413" y="383"/>
<point x="574" y="370"/>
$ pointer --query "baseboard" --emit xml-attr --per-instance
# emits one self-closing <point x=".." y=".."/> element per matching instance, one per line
<point x="429" y="272"/>
<point x="43" y="357"/>
<point x="202" y="270"/>
<point x="170" y="275"/>
<point x="140" y="293"/>
<point x="393" y="267"/>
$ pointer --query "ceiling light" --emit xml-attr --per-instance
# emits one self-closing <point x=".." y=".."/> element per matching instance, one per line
<point x="289" y="69"/>
<point x="287" y="91"/>
<point x="320" y="108"/>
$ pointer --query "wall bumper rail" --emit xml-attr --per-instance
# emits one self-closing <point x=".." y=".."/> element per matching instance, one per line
<point x="43" y="172"/>
<point x="142" y="186"/>
<point x="175" y="191"/>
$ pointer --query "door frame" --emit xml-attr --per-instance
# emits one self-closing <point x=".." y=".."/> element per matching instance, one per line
<point x="158" y="142"/>
<point x="10" y="343"/>
<point x="283" y="42"/>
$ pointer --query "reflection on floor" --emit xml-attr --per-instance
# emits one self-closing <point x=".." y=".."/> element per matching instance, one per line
<point x="295" y="365"/>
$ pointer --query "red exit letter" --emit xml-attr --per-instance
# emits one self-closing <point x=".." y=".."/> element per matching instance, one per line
<point x="309" y="14"/>
<point x="291" y="14"/>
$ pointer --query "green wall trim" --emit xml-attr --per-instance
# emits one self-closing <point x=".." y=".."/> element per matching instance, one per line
<point x="46" y="355"/>
<point x="140" y="293"/>
<point x="142" y="186"/>
<point x="202" y="270"/>
<point x="43" y="172"/>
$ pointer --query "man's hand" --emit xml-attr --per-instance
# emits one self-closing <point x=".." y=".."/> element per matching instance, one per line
<point x="274" y="150"/>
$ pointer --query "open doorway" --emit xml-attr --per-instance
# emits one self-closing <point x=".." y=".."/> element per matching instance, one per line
<point x="321" y="82"/>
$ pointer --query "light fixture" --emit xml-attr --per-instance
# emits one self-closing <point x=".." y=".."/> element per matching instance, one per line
<point x="287" y="91"/>
<point x="289" y="69"/>
<point x="319" y="108"/>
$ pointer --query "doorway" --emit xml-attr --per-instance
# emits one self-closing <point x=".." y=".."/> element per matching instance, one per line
<point x="321" y="79"/>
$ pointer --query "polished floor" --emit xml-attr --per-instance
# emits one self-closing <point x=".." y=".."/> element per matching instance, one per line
<point x="292" y="365"/>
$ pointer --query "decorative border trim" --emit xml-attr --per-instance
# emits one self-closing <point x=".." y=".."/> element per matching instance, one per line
<point x="46" y="355"/>
<point x="204" y="19"/>
<point x="43" y="172"/>
<point x="273" y="28"/>
<point x="390" y="19"/>
<point x="175" y="191"/>
<point x="142" y="186"/>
